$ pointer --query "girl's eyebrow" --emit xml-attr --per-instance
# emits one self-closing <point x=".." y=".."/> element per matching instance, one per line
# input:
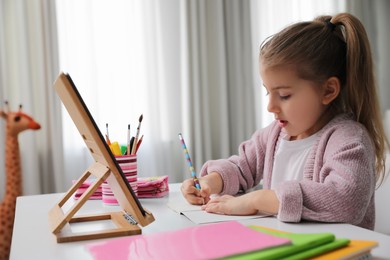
<point x="278" y="87"/>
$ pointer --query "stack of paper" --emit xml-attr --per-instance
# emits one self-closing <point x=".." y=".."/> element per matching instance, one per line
<point x="198" y="242"/>
<point x="230" y="240"/>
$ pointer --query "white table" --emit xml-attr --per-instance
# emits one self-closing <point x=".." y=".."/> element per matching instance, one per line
<point x="32" y="238"/>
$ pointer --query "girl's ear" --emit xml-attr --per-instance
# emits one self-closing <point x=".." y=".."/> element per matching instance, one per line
<point x="331" y="89"/>
<point x="3" y="114"/>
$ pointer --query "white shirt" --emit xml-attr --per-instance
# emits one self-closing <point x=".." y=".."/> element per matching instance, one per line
<point x="290" y="158"/>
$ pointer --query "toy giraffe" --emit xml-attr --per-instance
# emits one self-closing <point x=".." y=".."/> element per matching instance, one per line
<point x="16" y="122"/>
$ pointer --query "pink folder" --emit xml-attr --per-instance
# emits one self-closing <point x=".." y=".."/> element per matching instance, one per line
<point x="153" y="187"/>
<point x="198" y="242"/>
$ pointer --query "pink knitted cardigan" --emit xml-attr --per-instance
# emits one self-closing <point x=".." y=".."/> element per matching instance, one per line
<point x="339" y="174"/>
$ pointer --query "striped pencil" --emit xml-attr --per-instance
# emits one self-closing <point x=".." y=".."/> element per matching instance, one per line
<point x="188" y="158"/>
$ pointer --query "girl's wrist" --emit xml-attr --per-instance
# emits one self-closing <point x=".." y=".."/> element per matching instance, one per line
<point x="214" y="182"/>
<point x="265" y="201"/>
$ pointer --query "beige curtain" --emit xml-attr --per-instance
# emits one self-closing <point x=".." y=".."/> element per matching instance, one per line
<point x="217" y="81"/>
<point x="28" y="58"/>
<point x="201" y="76"/>
<point x="375" y="17"/>
<point x="196" y="63"/>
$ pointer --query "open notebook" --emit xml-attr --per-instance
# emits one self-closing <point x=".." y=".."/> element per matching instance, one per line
<point x="199" y="216"/>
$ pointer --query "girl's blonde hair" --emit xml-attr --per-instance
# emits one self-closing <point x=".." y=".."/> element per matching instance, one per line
<point x="335" y="46"/>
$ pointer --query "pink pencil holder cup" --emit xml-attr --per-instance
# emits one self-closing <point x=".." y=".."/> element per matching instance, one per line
<point x="128" y="164"/>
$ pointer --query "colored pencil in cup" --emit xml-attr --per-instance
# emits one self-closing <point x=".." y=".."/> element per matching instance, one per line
<point x="128" y="140"/>
<point x="188" y="158"/>
<point x="131" y="143"/>
<point x="107" y="136"/>
<point x="139" y="143"/>
<point x="133" y="151"/>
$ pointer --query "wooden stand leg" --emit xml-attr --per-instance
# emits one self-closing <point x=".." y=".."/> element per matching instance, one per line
<point x="123" y="228"/>
<point x="60" y="222"/>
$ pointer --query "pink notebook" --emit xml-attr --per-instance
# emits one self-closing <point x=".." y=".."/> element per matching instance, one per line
<point x="153" y="187"/>
<point x="198" y="242"/>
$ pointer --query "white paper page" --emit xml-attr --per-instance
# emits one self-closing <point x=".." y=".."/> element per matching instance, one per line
<point x="199" y="216"/>
<point x="182" y="205"/>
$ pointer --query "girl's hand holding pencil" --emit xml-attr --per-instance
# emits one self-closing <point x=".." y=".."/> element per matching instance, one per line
<point x="194" y="195"/>
<point x="211" y="184"/>
<point x="198" y="191"/>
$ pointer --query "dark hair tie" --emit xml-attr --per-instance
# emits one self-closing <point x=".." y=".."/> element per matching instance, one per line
<point x="330" y="25"/>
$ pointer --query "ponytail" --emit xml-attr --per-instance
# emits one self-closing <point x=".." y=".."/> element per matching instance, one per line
<point x="360" y="94"/>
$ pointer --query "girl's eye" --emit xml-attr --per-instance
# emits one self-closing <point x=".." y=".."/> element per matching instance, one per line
<point x="285" y="97"/>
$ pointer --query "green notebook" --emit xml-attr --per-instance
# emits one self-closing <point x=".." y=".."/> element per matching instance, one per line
<point x="322" y="249"/>
<point x="303" y="246"/>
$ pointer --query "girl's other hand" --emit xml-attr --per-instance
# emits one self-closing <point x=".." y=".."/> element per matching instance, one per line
<point x="229" y="205"/>
<point x="264" y="201"/>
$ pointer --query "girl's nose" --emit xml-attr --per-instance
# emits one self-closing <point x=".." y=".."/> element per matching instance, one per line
<point x="272" y="105"/>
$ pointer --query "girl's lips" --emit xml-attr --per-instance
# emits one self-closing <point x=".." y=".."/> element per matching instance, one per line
<point x="282" y="123"/>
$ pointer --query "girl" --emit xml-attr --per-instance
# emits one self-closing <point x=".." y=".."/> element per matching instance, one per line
<point x="321" y="158"/>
